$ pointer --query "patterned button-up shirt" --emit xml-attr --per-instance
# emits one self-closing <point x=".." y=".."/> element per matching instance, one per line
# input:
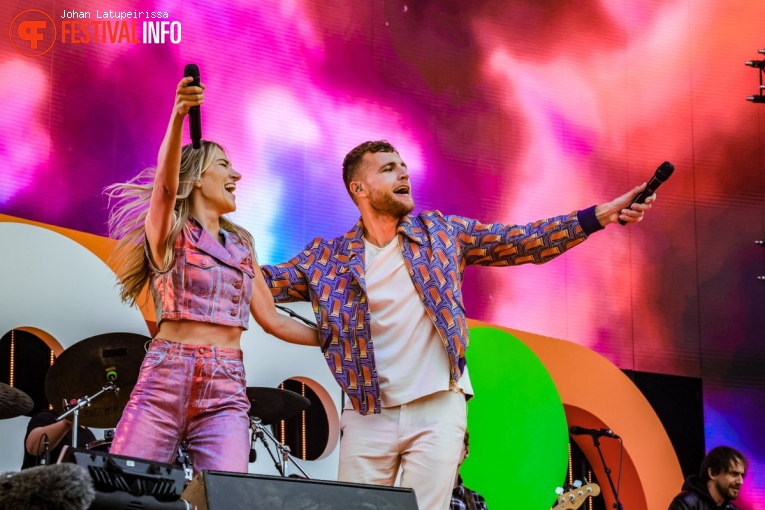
<point x="460" y="499"/>
<point x="436" y="250"/>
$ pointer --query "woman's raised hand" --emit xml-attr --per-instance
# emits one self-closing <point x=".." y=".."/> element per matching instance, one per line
<point x="187" y="96"/>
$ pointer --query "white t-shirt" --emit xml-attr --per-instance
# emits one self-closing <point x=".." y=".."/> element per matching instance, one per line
<point x="410" y="356"/>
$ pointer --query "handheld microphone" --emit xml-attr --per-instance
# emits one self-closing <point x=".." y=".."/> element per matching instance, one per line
<point x="662" y="174"/>
<point x="253" y="454"/>
<point x="195" y="116"/>
<point x="576" y="430"/>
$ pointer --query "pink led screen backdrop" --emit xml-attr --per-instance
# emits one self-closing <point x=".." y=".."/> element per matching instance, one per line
<point x="506" y="110"/>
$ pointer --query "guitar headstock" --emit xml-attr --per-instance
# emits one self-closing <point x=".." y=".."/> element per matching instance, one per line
<point x="573" y="499"/>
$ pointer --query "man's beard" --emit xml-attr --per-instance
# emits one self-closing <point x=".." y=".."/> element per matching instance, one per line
<point x="728" y="492"/>
<point x="384" y="204"/>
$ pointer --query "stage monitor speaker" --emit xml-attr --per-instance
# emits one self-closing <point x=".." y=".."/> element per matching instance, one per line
<point x="129" y="483"/>
<point x="219" y="490"/>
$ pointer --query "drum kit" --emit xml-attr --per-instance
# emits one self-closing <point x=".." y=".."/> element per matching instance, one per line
<point x="112" y="362"/>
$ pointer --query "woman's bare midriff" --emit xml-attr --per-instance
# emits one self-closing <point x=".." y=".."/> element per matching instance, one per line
<point x="194" y="332"/>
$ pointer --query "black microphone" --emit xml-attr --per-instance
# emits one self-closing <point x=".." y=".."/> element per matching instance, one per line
<point x="662" y="174"/>
<point x="195" y="116"/>
<point x="253" y="453"/>
<point x="576" y="430"/>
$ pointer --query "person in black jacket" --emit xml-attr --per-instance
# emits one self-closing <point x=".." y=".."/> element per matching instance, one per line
<point x="722" y="475"/>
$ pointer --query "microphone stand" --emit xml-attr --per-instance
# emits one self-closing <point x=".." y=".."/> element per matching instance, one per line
<point x="46" y="452"/>
<point x="85" y="402"/>
<point x="617" y="503"/>
<point x="257" y="433"/>
<point x="260" y="430"/>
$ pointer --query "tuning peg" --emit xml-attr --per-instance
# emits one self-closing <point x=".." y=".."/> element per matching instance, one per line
<point x="559" y="491"/>
<point x="577" y="483"/>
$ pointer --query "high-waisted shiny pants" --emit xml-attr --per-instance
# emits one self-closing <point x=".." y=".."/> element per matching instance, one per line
<point x="192" y="393"/>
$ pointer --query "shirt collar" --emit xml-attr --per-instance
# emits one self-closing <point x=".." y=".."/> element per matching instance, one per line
<point x="414" y="232"/>
<point x="205" y="242"/>
<point x="354" y="239"/>
<point x="407" y="227"/>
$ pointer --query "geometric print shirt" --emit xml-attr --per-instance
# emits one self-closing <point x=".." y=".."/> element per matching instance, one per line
<point x="460" y="501"/>
<point x="436" y="249"/>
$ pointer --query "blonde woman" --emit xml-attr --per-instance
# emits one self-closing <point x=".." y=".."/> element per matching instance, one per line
<point x="205" y="282"/>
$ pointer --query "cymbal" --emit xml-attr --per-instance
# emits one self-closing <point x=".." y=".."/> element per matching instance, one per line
<point x="89" y="365"/>
<point x="273" y="404"/>
<point x="13" y="402"/>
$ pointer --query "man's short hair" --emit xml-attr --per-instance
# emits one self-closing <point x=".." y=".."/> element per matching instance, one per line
<point x="720" y="460"/>
<point x="353" y="159"/>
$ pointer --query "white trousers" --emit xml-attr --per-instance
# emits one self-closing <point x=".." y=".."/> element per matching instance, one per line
<point x="423" y="437"/>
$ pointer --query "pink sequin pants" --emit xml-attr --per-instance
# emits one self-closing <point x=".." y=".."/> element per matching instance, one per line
<point x="192" y="393"/>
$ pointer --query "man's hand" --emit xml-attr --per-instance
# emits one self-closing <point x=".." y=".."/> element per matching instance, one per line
<point x="619" y="208"/>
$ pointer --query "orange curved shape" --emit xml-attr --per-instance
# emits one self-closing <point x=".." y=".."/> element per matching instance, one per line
<point x="46" y="337"/>
<point x="596" y="394"/>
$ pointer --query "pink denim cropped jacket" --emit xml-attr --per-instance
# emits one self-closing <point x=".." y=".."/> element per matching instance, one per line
<point x="207" y="281"/>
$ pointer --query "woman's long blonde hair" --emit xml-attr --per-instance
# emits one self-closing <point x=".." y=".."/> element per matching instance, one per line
<point x="129" y="205"/>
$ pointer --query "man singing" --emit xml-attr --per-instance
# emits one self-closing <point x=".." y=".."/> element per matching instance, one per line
<point x="388" y="302"/>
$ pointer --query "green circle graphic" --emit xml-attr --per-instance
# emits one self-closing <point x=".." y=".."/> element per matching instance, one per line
<point x="518" y="430"/>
